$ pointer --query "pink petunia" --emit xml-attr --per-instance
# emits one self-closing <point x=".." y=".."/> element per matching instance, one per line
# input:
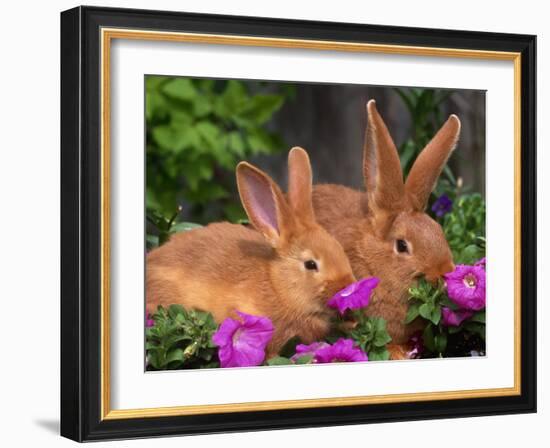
<point x="308" y="350"/>
<point x="452" y="318"/>
<point x="355" y="296"/>
<point x="343" y="350"/>
<point x="242" y="342"/>
<point x="149" y="322"/>
<point x="466" y="287"/>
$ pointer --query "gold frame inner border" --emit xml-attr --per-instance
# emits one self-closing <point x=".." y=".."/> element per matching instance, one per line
<point x="107" y="35"/>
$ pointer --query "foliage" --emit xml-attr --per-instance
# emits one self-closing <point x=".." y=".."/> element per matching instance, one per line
<point x="425" y="303"/>
<point x="197" y="131"/>
<point x="464" y="228"/>
<point x="181" y="338"/>
<point x="424" y="107"/>
<point x="371" y="335"/>
<point x="285" y="361"/>
<point x="368" y="332"/>
<point x="164" y="227"/>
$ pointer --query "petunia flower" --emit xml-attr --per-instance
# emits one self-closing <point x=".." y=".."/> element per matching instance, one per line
<point x="242" y="342"/>
<point x="149" y="322"/>
<point x="442" y="205"/>
<point x="452" y="318"/>
<point x="308" y="350"/>
<point x="355" y="296"/>
<point x="466" y="286"/>
<point x="343" y="350"/>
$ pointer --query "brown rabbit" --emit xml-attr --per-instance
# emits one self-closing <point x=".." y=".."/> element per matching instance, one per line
<point x="287" y="271"/>
<point x="385" y="231"/>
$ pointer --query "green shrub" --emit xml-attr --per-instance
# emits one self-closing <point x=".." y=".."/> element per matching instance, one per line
<point x="181" y="338"/>
<point x="197" y="131"/>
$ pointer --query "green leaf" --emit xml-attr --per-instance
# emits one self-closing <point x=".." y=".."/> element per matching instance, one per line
<point x="381" y="339"/>
<point x="154" y="82"/>
<point x="169" y="138"/>
<point x="210" y="133"/>
<point x="425" y="310"/>
<point x="180" y="88"/>
<point x="262" y="107"/>
<point x="278" y="361"/>
<point x="155" y="106"/>
<point x="454" y="330"/>
<point x="175" y="355"/>
<point x="233" y="98"/>
<point x="184" y="226"/>
<point x="478" y="317"/>
<point x="153" y="360"/>
<point x="436" y="315"/>
<point x="180" y="119"/>
<point x="379" y="354"/>
<point x="412" y="312"/>
<point x="380" y="324"/>
<point x="428" y="338"/>
<point x="152" y="241"/>
<point x="476" y="328"/>
<point x="175" y="309"/>
<point x="201" y="106"/>
<point x="306" y="359"/>
<point x="440" y="342"/>
<point x="236" y="143"/>
<point x="470" y="254"/>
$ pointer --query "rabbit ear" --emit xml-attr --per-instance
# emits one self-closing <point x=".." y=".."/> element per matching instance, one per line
<point x="264" y="203"/>
<point x="430" y="162"/>
<point x="300" y="183"/>
<point x="381" y="166"/>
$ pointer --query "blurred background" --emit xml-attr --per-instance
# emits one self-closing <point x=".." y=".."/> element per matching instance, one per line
<point x="198" y="130"/>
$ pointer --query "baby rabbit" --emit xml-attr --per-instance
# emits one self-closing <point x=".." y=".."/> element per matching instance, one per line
<point x="287" y="270"/>
<point x="385" y="231"/>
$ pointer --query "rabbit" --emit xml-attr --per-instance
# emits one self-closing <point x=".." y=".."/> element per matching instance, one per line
<point x="287" y="269"/>
<point x="385" y="231"/>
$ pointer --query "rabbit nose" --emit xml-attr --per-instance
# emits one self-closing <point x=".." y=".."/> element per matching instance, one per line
<point x="452" y="267"/>
<point x="434" y="275"/>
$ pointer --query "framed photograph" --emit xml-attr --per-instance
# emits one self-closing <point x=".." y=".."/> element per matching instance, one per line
<point x="276" y="224"/>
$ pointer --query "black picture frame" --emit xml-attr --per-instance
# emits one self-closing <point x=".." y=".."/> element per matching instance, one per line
<point x="81" y="227"/>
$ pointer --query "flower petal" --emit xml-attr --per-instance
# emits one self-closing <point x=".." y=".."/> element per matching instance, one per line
<point x="454" y="318"/>
<point x="242" y="343"/>
<point x="355" y="296"/>
<point x="343" y="350"/>
<point x="465" y="296"/>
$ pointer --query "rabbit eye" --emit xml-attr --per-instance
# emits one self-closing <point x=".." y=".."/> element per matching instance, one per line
<point x="310" y="265"/>
<point x="401" y="246"/>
